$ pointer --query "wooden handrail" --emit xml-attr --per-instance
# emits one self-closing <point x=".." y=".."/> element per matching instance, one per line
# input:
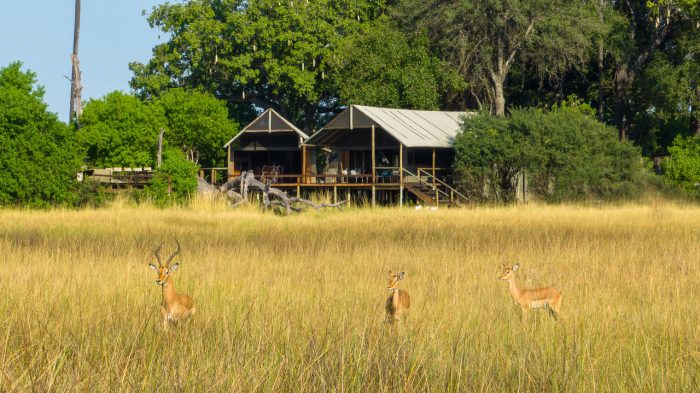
<point x="444" y="184"/>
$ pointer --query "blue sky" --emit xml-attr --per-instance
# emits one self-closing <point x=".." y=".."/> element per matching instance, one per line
<point x="112" y="34"/>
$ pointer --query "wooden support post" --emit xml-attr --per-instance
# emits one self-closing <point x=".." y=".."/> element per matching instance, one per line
<point x="303" y="163"/>
<point x="201" y="173"/>
<point x="374" y="172"/>
<point x="231" y="162"/>
<point x="433" y="167"/>
<point x="400" y="175"/>
<point x="213" y="176"/>
<point x="335" y="194"/>
<point x="437" y="194"/>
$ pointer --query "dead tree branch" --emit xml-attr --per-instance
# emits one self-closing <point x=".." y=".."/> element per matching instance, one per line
<point x="271" y="196"/>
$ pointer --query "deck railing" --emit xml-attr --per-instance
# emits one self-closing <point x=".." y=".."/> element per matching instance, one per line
<point x="449" y="190"/>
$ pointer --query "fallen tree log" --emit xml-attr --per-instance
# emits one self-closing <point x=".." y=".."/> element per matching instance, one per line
<point x="247" y="180"/>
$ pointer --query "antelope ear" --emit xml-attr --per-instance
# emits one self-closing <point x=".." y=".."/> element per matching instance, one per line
<point x="516" y="266"/>
<point x="389" y="273"/>
<point x="154" y="267"/>
<point x="401" y="275"/>
<point x="174" y="267"/>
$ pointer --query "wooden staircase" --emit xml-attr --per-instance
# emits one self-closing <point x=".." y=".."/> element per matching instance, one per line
<point x="427" y="194"/>
<point x="431" y="190"/>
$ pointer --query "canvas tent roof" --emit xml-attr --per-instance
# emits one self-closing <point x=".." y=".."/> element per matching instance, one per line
<point x="412" y="128"/>
<point x="269" y="122"/>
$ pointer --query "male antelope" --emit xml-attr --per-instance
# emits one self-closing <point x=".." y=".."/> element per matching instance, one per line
<point x="175" y="307"/>
<point x="528" y="299"/>
<point x="398" y="303"/>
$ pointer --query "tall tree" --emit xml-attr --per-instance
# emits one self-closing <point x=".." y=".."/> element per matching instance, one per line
<point x="121" y="130"/>
<point x="653" y="26"/>
<point x="198" y="124"/>
<point x="76" y="83"/>
<point x="267" y="53"/>
<point x="39" y="158"/>
<point x="379" y="65"/>
<point x="486" y="39"/>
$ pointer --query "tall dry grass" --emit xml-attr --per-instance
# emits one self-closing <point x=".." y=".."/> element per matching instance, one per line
<point x="296" y="303"/>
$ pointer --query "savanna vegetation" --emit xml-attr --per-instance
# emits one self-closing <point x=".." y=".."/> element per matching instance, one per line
<point x="633" y="64"/>
<point x="297" y="304"/>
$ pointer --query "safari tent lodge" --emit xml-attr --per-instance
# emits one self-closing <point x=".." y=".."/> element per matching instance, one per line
<point x="385" y="155"/>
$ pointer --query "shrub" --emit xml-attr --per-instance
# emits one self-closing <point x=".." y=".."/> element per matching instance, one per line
<point x="174" y="181"/>
<point x="565" y="154"/>
<point x="683" y="167"/>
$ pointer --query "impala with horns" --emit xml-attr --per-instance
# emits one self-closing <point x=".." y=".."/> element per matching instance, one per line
<point x="398" y="303"/>
<point x="529" y="299"/>
<point x="174" y="307"/>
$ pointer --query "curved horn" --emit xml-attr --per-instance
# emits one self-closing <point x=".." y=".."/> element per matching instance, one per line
<point x="175" y="253"/>
<point x="157" y="252"/>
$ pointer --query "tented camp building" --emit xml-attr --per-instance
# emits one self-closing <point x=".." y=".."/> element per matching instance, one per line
<point x="270" y="141"/>
<point x="385" y="149"/>
<point x="386" y="155"/>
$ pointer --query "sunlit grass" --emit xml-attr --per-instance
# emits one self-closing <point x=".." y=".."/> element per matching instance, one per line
<point x="296" y="303"/>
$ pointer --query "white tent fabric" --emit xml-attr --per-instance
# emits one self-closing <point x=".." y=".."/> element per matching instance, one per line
<point x="269" y="122"/>
<point x="412" y="128"/>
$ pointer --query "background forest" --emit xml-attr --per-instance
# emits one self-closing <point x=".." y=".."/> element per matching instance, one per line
<point x="556" y="84"/>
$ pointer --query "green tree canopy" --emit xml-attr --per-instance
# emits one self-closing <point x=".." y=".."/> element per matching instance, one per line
<point x="39" y="159"/>
<point x="198" y="124"/>
<point x="381" y="66"/>
<point x="267" y="53"/>
<point x="486" y="39"/>
<point x="121" y="130"/>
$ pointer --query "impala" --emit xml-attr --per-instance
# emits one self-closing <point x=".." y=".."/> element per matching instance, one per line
<point x="398" y="303"/>
<point x="174" y="307"/>
<point x="528" y="299"/>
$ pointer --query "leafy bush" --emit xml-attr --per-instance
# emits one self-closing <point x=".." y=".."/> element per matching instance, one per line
<point x="683" y="168"/>
<point x="39" y="158"/>
<point x="565" y="153"/>
<point x="175" y="181"/>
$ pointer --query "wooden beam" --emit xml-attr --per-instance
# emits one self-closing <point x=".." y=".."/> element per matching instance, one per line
<point x="374" y="171"/>
<point x="401" y="175"/>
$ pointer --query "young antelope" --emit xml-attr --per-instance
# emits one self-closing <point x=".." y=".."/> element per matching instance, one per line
<point x="398" y="303"/>
<point x="529" y="299"/>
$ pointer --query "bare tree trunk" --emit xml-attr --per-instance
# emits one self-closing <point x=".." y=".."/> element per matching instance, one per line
<point x="601" y="64"/>
<point x="500" y="100"/>
<point x="623" y="80"/>
<point x="601" y="70"/>
<point x="159" y="157"/>
<point x="309" y="112"/>
<point x="694" y="116"/>
<point x="76" y="105"/>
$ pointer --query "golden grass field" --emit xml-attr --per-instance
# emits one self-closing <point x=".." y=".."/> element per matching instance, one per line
<point x="297" y="303"/>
